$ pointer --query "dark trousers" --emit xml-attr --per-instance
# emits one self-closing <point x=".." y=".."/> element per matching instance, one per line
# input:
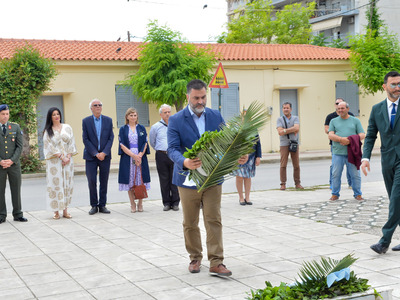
<point x="391" y="176"/>
<point x="14" y="177"/>
<point x="91" y="174"/>
<point x="165" y="169"/>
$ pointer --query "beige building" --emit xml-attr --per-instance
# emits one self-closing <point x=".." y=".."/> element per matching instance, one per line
<point x="310" y="77"/>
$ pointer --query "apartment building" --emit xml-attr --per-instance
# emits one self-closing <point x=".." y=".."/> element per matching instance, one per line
<point x="337" y="18"/>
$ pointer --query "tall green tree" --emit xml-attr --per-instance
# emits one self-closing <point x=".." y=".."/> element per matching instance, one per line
<point x="292" y="25"/>
<point x="373" y="54"/>
<point x="256" y="23"/>
<point x="23" y="79"/>
<point x="166" y="64"/>
<point x="374" y="20"/>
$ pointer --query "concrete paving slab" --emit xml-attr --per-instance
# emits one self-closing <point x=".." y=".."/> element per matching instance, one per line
<point x="142" y="255"/>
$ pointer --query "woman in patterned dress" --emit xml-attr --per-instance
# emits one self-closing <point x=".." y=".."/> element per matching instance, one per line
<point x="58" y="147"/>
<point x="246" y="172"/>
<point x="133" y="149"/>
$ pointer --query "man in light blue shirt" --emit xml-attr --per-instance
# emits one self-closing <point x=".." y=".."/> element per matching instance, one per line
<point x="165" y="166"/>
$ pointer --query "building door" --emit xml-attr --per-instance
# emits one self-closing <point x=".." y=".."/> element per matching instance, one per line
<point x="43" y="106"/>
<point x="348" y="91"/>
<point x="230" y="105"/>
<point x="291" y="97"/>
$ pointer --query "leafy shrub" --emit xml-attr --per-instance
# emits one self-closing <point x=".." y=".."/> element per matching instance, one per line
<point x="30" y="164"/>
<point x="312" y="285"/>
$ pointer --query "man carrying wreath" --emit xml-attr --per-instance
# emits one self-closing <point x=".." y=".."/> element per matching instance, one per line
<point x="184" y="128"/>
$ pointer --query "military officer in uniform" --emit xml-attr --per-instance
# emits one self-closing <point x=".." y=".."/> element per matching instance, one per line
<point x="10" y="151"/>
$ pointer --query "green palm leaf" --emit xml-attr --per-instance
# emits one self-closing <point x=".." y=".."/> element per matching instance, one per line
<point x="314" y="271"/>
<point x="220" y="156"/>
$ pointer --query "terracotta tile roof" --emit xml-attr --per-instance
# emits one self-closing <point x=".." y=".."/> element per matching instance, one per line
<point x="92" y="50"/>
<point x="278" y="52"/>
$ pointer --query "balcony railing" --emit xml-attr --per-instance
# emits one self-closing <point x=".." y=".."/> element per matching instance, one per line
<point x="324" y="12"/>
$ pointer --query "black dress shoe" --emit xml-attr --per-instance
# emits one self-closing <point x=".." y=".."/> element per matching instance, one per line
<point x="379" y="248"/>
<point x="104" y="210"/>
<point x="248" y="202"/>
<point x="21" y="219"/>
<point x="396" y="248"/>
<point x="93" y="210"/>
<point x="2" y="221"/>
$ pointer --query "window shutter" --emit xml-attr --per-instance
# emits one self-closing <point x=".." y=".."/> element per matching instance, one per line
<point x="230" y="105"/>
<point x="124" y="100"/>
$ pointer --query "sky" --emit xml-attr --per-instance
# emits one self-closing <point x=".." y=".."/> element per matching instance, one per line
<point x="108" y="20"/>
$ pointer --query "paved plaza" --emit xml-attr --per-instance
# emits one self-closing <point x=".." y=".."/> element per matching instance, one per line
<point x="142" y="255"/>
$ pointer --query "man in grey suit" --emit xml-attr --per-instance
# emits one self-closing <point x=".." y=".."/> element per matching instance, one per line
<point x="383" y="119"/>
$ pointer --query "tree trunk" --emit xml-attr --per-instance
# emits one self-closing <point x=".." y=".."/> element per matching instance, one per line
<point x="26" y="149"/>
<point x="178" y="106"/>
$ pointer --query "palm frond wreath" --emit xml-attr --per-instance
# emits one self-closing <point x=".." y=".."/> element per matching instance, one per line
<point x="314" y="271"/>
<point x="219" y="151"/>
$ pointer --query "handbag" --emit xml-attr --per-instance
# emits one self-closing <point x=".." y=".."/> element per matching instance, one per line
<point x="139" y="191"/>
<point x="293" y="145"/>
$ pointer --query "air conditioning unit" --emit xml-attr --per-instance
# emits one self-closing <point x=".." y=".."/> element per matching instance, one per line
<point x="350" y="20"/>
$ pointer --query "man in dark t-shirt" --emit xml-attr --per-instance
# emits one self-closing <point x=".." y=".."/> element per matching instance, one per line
<point x="327" y="121"/>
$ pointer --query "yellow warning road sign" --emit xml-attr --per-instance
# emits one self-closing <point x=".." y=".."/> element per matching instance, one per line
<point x="219" y="79"/>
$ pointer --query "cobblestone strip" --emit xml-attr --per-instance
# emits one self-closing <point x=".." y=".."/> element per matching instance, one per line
<point x="366" y="216"/>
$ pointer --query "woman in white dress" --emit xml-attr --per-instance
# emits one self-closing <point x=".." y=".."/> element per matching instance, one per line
<point x="59" y="147"/>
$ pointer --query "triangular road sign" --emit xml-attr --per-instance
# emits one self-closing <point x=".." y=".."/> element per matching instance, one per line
<point x="219" y="79"/>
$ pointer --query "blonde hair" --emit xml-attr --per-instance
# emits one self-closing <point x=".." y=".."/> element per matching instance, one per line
<point x="129" y="111"/>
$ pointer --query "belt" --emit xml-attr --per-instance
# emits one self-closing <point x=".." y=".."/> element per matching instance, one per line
<point x="161" y="151"/>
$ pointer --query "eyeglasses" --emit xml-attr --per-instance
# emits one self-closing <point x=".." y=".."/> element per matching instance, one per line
<point x="394" y="85"/>
<point x="95" y="105"/>
<point x="336" y="103"/>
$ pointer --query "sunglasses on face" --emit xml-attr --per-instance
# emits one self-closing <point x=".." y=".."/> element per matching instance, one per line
<point x="337" y="103"/>
<point x="95" y="105"/>
<point x="394" y="85"/>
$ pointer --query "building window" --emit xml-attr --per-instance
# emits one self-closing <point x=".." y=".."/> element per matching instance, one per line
<point x="348" y="91"/>
<point x="230" y="105"/>
<point x="124" y="99"/>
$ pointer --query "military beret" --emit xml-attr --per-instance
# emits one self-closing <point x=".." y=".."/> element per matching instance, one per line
<point x="4" y="107"/>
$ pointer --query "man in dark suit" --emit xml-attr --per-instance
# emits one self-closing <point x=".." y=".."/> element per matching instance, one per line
<point x="184" y="128"/>
<point x="98" y="136"/>
<point x="383" y="119"/>
<point x="10" y="150"/>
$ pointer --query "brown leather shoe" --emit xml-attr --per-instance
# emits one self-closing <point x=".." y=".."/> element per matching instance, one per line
<point x="299" y="187"/>
<point x="194" y="266"/>
<point x="359" y="198"/>
<point x="333" y="198"/>
<point x="283" y="187"/>
<point x="220" y="270"/>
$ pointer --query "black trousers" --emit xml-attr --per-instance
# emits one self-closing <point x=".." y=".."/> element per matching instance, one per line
<point x="165" y="169"/>
<point x="91" y="174"/>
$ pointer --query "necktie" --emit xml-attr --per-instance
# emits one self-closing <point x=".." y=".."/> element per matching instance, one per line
<point x="4" y="129"/>
<point x="392" y="115"/>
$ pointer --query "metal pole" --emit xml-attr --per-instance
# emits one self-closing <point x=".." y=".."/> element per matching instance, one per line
<point x="219" y="100"/>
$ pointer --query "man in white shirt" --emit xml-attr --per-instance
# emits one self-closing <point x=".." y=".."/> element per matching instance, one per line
<point x="165" y="166"/>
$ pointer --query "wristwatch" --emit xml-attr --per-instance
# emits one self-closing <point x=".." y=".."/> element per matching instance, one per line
<point x="284" y="130"/>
